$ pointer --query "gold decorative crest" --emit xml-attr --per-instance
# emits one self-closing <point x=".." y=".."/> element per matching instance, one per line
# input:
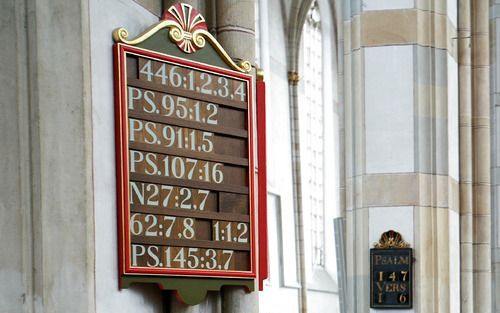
<point x="391" y="239"/>
<point x="187" y="29"/>
<point x="189" y="21"/>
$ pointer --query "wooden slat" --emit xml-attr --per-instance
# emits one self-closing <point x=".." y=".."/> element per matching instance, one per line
<point x="188" y="183"/>
<point x="161" y="241"/>
<point x="189" y="124"/>
<point x="186" y="93"/>
<point x="190" y="213"/>
<point x="190" y="154"/>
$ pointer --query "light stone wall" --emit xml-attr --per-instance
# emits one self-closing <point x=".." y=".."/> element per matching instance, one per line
<point x="277" y="287"/>
<point x="278" y="138"/>
<point x="105" y="16"/>
<point x="281" y="293"/>
<point x="46" y="211"/>
<point x="480" y="258"/>
<point x="400" y="88"/>
<point x="15" y="256"/>
<point x="402" y="171"/>
<point x="374" y="5"/>
<point x="153" y="6"/>
<point x="389" y="109"/>
<point x="495" y="147"/>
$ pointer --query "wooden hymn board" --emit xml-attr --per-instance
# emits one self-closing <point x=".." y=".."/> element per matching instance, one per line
<point x="186" y="159"/>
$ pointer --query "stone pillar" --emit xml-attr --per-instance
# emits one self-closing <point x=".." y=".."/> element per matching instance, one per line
<point x="293" y="80"/>
<point x="357" y="244"/>
<point x="212" y="304"/>
<point x="297" y="18"/>
<point x="61" y="138"/>
<point x="236" y="28"/>
<point x="401" y="144"/>
<point x="178" y="307"/>
<point x="481" y="157"/>
<point x="15" y="187"/>
<point x="46" y="194"/>
<point x="495" y="129"/>
<point x="466" y="199"/>
<point x="236" y="33"/>
<point x="475" y="163"/>
<point x="237" y="300"/>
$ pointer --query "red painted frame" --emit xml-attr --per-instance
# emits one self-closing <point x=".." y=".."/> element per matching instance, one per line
<point x="122" y="165"/>
<point x="262" y="157"/>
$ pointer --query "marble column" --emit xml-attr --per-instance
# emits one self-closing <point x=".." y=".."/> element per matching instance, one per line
<point x="401" y="144"/>
<point x="466" y="202"/>
<point x="481" y="180"/>
<point x="235" y="27"/>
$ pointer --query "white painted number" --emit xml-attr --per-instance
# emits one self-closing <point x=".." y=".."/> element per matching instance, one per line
<point x="146" y="70"/>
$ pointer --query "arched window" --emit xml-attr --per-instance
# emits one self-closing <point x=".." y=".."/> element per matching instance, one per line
<point x="311" y="123"/>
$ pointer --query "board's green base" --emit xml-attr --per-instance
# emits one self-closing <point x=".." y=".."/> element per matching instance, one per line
<point x="189" y="290"/>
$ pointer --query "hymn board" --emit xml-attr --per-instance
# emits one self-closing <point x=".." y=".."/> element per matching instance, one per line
<point x="186" y="159"/>
<point x="391" y="273"/>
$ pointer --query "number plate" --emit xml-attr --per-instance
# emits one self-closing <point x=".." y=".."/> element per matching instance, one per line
<point x="391" y="277"/>
<point x="185" y="167"/>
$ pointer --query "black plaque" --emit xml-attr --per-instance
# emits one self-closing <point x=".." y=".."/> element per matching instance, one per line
<point x="391" y="277"/>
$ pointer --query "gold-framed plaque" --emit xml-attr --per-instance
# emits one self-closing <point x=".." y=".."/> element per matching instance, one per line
<point x="391" y="273"/>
